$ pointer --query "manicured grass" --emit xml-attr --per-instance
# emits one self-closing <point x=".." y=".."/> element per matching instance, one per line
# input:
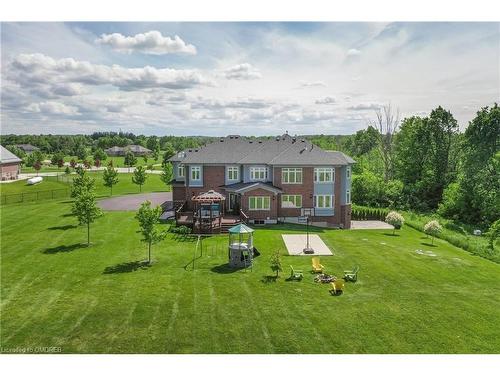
<point x="124" y="186"/>
<point x="57" y="292"/>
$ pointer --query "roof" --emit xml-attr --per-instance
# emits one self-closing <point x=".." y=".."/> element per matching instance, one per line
<point x="241" y="187"/>
<point x="8" y="157"/>
<point x="136" y="148"/>
<point x="240" y="228"/>
<point x="27" y="147"/>
<point x="281" y="150"/>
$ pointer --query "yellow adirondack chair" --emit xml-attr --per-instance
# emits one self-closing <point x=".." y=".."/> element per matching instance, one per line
<point x="337" y="287"/>
<point x="317" y="266"/>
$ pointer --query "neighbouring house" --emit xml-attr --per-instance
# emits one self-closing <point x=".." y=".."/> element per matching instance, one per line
<point x="137" y="150"/>
<point x="27" y="148"/>
<point x="281" y="179"/>
<point x="10" y="165"/>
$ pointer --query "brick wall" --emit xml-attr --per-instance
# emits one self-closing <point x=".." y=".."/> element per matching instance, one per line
<point x="305" y="189"/>
<point x="213" y="178"/>
<point x="9" y="171"/>
<point x="272" y="213"/>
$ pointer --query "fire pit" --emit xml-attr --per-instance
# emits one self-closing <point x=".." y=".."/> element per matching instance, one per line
<point x="324" y="278"/>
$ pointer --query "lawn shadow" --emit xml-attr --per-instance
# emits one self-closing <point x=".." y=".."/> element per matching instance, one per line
<point x="127" y="267"/>
<point x="391" y="235"/>
<point x="223" y="269"/>
<point x="289" y="227"/>
<point x="182" y="238"/>
<point x="63" y="248"/>
<point x="268" y="279"/>
<point x="68" y="215"/>
<point x="427" y="244"/>
<point x="63" y="227"/>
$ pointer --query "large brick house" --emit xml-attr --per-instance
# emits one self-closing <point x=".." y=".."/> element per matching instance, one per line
<point x="269" y="181"/>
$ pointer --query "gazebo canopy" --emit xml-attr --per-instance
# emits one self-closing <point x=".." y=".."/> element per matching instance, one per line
<point x="240" y="228"/>
<point x="208" y="197"/>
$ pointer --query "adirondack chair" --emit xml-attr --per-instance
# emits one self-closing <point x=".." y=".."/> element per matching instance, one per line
<point x="351" y="275"/>
<point x="295" y="274"/>
<point x="316" y="265"/>
<point x="337" y="287"/>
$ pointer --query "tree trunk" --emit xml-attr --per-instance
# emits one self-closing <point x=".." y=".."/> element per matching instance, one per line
<point x="432" y="240"/>
<point x="111" y="189"/>
<point x="88" y="234"/>
<point x="149" y="252"/>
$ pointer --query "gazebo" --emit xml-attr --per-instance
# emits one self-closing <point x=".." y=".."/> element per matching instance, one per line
<point x="241" y="249"/>
<point x="208" y="209"/>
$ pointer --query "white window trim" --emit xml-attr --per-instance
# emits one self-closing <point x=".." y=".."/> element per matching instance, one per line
<point x="254" y="169"/>
<point x="317" y="171"/>
<point x="295" y="170"/>
<point x="348" y="194"/>
<point x="232" y="168"/>
<point x="291" y="195"/>
<point x="332" y="201"/>
<point x="181" y="171"/>
<point x="191" y="170"/>
<point x="263" y="199"/>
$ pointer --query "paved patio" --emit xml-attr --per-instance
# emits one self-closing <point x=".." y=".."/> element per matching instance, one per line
<point x="295" y="243"/>
<point x="132" y="202"/>
<point x="369" y="224"/>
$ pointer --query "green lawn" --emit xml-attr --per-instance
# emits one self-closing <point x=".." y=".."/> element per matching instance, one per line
<point x="57" y="292"/>
<point x="124" y="186"/>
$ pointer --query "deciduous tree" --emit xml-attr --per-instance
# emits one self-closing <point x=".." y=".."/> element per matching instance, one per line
<point x="148" y="218"/>
<point x="110" y="177"/>
<point x="139" y="177"/>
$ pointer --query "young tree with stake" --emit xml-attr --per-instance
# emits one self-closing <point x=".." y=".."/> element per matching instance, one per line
<point x="148" y="217"/>
<point x="167" y="174"/>
<point x="110" y="177"/>
<point x="140" y="176"/>
<point x="130" y="160"/>
<point x="86" y="210"/>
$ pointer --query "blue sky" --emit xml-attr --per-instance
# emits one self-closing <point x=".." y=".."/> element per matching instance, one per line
<point x="247" y="78"/>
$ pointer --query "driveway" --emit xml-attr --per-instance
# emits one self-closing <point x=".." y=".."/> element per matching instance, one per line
<point x="132" y="202"/>
<point x="369" y="224"/>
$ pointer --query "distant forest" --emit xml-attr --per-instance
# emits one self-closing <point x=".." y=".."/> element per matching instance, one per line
<point x="423" y="164"/>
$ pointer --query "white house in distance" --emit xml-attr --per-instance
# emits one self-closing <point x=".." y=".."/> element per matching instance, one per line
<point x="10" y="165"/>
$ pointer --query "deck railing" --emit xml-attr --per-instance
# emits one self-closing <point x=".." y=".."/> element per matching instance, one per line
<point x="243" y="217"/>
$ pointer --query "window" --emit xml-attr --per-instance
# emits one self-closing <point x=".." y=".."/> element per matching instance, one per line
<point x="259" y="203"/>
<point x="180" y="171"/>
<point x="348" y="197"/>
<point x="291" y="175"/>
<point x="258" y="173"/>
<point x="195" y="173"/>
<point x="233" y="173"/>
<point x="348" y="172"/>
<point x="323" y="201"/>
<point x="324" y="175"/>
<point x="291" y="201"/>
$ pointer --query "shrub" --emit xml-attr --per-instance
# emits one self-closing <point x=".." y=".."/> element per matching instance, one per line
<point x="395" y="219"/>
<point x="433" y="228"/>
<point x="493" y="233"/>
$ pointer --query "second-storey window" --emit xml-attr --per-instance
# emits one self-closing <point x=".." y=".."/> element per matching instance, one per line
<point x="258" y="173"/>
<point x="323" y="201"/>
<point x="291" y="175"/>
<point x="348" y="172"/>
<point x="180" y="171"/>
<point x="233" y="173"/>
<point x="348" y="197"/>
<point x="195" y="173"/>
<point x="291" y="201"/>
<point x="324" y="175"/>
<point x="259" y="203"/>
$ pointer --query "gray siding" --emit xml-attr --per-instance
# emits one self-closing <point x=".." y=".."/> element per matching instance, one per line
<point x="229" y="182"/>
<point x="195" y="183"/>
<point x="345" y="184"/>
<point x="175" y="166"/>
<point x="246" y="172"/>
<point x="325" y="189"/>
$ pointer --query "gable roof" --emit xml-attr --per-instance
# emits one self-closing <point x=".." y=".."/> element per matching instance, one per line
<point x="26" y="147"/>
<point x="8" y="157"/>
<point x="281" y="150"/>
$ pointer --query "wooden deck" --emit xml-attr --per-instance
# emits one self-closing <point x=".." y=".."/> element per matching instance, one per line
<point x="226" y="222"/>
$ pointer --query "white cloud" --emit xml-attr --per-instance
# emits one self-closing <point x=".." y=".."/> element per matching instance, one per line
<point x="151" y="42"/>
<point x="30" y="69"/>
<point x="52" y="108"/>
<point x="307" y="84"/>
<point x="68" y="89"/>
<point x="326" y="100"/>
<point x="365" y="106"/>
<point x="353" y="52"/>
<point x="242" y="72"/>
